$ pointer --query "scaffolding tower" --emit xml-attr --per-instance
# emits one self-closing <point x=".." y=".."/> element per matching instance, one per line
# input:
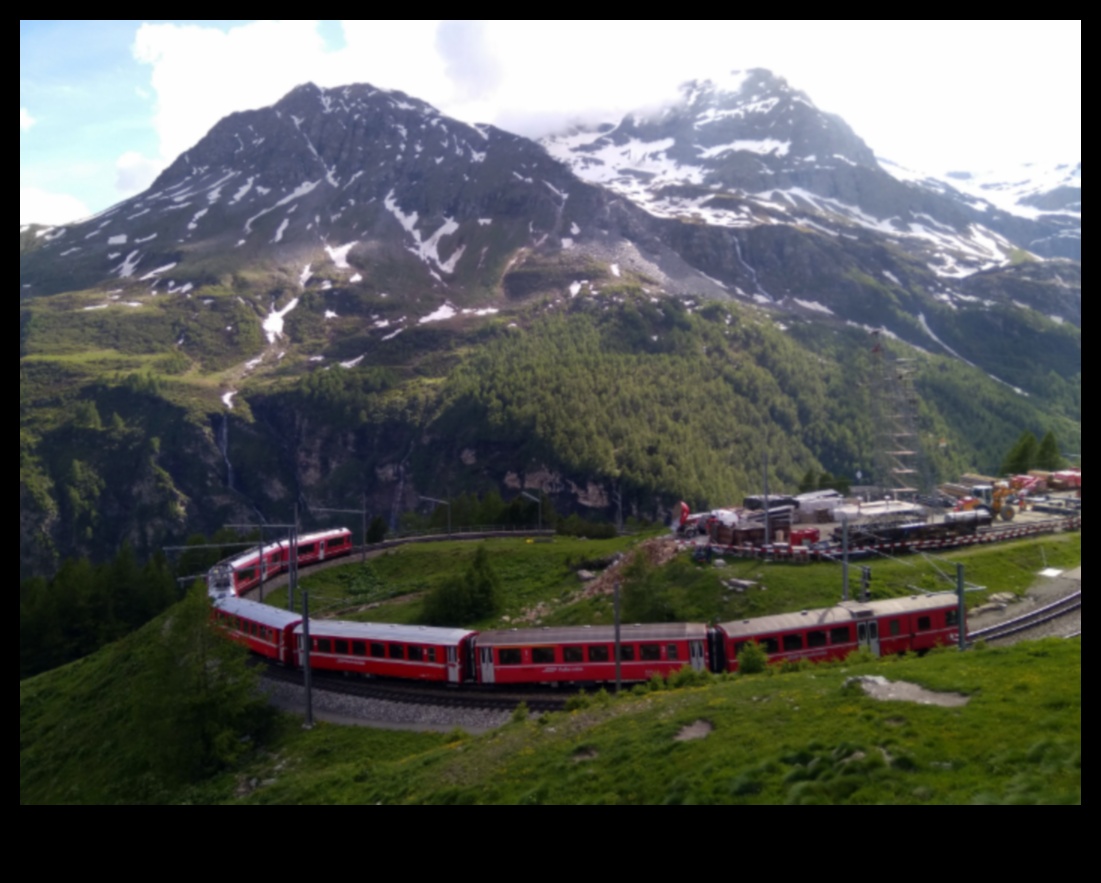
<point x="901" y="465"/>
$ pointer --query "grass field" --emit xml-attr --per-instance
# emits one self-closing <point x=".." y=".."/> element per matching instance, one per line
<point x="799" y="738"/>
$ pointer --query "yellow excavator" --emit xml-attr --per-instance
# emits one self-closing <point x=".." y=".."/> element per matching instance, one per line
<point x="997" y="499"/>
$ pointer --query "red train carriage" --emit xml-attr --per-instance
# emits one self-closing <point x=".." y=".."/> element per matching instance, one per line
<point x="587" y="653"/>
<point x="890" y="626"/>
<point x="320" y="546"/>
<point x="262" y="628"/>
<point x="244" y="572"/>
<point x="387" y="650"/>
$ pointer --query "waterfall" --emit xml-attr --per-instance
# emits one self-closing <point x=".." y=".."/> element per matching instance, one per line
<point x="399" y="495"/>
<point x="750" y="270"/>
<point x="223" y="445"/>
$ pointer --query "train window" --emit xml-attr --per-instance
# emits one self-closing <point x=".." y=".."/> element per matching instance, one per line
<point x="431" y="651"/>
<point x="841" y="635"/>
<point x="924" y="623"/>
<point x="416" y="653"/>
<point x="626" y="652"/>
<point x="324" y="645"/>
<point x="572" y="654"/>
<point x="738" y="647"/>
<point x="307" y="549"/>
<point x="598" y="653"/>
<point x="509" y="656"/>
<point x="816" y="639"/>
<point x="671" y="651"/>
<point x="793" y="642"/>
<point x="649" y="652"/>
<point x="770" y="645"/>
<point x="951" y="617"/>
<point x="359" y="648"/>
<point x="341" y="647"/>
<point x="542" y="655"/>
<point x="397" y="651"/>
<point x="894" y="627"/>
<point x="378" y="650"/>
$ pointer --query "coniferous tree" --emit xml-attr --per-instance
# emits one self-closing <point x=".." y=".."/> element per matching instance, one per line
<point x="1022" y="456"/>
<point x="1048" y="456"/>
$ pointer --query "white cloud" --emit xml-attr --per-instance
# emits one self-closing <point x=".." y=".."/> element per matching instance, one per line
<point x="25" y="118"/>
<point x="134" y="172"/>
<point x="910" y="89"/>
<point x="202" y="74"/>
<point x="37" y="206"/>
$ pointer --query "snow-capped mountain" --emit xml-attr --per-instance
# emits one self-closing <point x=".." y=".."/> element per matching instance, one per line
<point x="752" y="151"/>
<point x="743" y="188"/>
<point x="1048" y="195"/>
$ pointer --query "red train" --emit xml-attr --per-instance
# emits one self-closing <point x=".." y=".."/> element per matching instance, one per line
<point x="917" y="623"/>
<point x="238" y="575"/>
<point x="586" y="654"/>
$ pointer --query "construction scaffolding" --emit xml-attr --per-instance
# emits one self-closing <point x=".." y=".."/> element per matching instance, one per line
<point x="902" y="469"/>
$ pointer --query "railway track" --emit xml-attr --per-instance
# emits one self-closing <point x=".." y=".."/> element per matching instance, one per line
<point x="440" y="696"/>
<point x="1029" y="620"/>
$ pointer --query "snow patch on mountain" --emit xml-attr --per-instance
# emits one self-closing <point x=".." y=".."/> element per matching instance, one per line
<point x="153" y="274"/>
<point x="300" y="191"/>
<point x="273" y="322"/>
<point x="762" y="146"/>
<point x="426" y="249"/>
<point x="447" y="311"/>
<point x="339" y="255"/>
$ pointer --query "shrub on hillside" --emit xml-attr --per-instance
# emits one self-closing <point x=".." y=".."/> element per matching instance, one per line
<point x="466" y="599"/>
<point x="752" y="659"/>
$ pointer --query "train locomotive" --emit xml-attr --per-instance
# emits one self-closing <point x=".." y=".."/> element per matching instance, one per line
<point x="558" y="655"/>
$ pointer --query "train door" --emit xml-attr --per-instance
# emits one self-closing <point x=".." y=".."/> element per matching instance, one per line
<point x="487" y="665"/>
<point x="453" y="673"/>
<point x="867" y="635"/>
<point x="696" y="655"/>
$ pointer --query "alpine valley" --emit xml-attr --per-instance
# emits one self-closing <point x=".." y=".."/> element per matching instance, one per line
<point x="350" y="296"/>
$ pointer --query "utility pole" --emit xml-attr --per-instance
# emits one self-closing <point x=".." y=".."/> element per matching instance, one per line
<point x="618" y="648"/>
<point x="768" y="521"/>
<point x="844" y="559"/>
<point x="961" y="615"/>
<point x="307" y="646"/>
<point x="263" y="562"/>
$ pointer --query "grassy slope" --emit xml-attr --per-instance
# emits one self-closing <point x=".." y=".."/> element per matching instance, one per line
<point x="799" y="738"/>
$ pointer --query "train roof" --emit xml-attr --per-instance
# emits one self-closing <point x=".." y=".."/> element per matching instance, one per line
<point x="264" y="614"/>
<point x="670" y="631"/>
<point x="845" y="612"/>
<point x="322" y="535"/>
<point x="250" y="555"/>
<point x="385" y="631"/>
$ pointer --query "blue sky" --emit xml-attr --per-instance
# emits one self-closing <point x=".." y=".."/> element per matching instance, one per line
<point x="104" y="105"/>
